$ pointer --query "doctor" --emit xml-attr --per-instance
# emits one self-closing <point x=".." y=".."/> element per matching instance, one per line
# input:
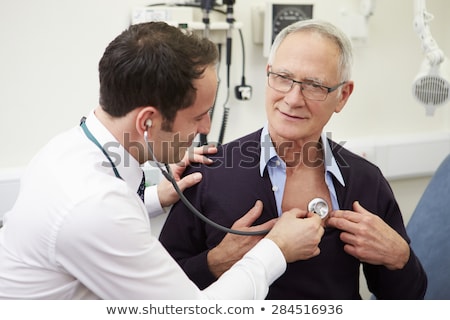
<point x="80" y="231"/>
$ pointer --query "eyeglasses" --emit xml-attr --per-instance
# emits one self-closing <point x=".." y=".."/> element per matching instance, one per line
<point x="310" y="90"/>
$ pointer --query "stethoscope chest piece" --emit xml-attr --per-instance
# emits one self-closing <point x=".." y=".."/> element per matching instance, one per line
<point x="318" y="206"/>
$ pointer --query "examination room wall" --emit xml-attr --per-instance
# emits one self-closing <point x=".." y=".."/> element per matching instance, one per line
<point x="48" y="80"/>
<point x="50" y="51"/>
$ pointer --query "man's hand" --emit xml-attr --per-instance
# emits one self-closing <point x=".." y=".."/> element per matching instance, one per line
<point x="368" y="238"/>
<point x="297" y="233"/>
<point x="166" y="192"/>
<point x="233" y="247"/>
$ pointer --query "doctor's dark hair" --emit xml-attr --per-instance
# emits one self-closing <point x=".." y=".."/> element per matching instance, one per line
<point x="153" y="64"/>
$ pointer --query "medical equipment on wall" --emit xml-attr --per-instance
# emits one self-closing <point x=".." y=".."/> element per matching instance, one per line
<point x="242" y="91"/>
<point x="274" y="15"/>
<point x="431" y="87"/>
<point x="317" y="205"/>
<point x="226" y="108"/>
<point x="281" y="13"/>
<point x="206" y="7"/>
<point x="184" y="16"/>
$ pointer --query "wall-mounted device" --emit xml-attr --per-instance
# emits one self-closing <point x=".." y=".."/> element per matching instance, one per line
<point x="185" y="17"/>
<point x="431" y="86"/>
<point x="281" y="13"/>
<point x="355" y="23"/>
<point x="273" y="15"/>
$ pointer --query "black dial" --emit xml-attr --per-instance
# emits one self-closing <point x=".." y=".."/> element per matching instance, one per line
<point x="284" y="15"/>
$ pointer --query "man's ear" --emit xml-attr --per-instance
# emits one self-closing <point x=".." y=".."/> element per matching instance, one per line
<point x="346" y="92"/>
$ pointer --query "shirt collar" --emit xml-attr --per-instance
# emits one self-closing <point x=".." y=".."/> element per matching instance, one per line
<point x="127" y="166"/>
<point x="268" y="153"/>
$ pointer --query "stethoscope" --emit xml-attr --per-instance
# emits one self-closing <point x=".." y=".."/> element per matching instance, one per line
<point x="317" y="205"/>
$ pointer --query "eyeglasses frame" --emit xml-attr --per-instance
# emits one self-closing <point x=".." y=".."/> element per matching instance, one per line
<point x="328" y="89"/>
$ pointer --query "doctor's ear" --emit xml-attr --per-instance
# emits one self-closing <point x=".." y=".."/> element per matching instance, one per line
<point x="146" y="118"/>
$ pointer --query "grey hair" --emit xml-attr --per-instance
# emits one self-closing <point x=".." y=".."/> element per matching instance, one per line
<point x="327" y="30"/>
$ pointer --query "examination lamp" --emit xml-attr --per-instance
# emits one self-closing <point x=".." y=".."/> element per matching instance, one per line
<point x="431" y="87"/>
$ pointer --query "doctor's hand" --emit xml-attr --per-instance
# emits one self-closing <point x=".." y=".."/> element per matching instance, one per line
<point x="166" y="192"/>
<point x="298" y="234"/>
<point x="233" y="247"/>
<point x="368" y="238"/>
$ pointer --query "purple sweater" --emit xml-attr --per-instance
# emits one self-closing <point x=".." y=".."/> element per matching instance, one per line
<point x="231" y="186"/>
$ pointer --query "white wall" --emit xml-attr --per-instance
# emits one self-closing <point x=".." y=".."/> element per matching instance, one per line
<point x="50" y="50"/>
